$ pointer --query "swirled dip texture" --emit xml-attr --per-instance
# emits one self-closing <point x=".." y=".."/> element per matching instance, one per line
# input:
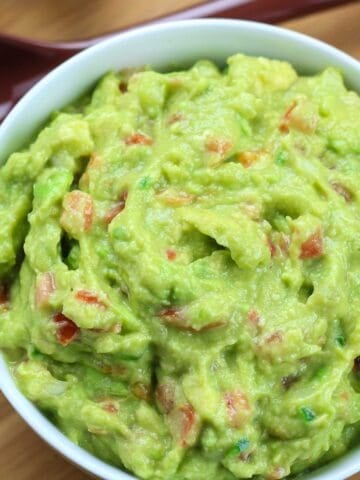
<point x="180" y="270"/>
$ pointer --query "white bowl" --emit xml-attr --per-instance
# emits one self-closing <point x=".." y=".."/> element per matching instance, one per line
<point x="161" y="46"/>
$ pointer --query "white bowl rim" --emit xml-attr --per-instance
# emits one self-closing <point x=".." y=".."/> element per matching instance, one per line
<point x="345" y="466"/>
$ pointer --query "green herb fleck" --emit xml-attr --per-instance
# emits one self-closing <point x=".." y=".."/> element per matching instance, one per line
<point x="340" y="340"/>
<point x="307" y="414"/>
<point x="119" y="233"/>
<point x="320" y="372"/>
<point x="281" y="158"/>
<point x="145" y="182"/>
<point x="243" y="444"/>
<point x="240" y="447"/>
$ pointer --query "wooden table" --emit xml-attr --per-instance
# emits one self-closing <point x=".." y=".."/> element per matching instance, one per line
<point x="23" y="456"/>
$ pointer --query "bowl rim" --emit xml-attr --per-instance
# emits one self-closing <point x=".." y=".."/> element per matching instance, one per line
<point x="347" y="464"/>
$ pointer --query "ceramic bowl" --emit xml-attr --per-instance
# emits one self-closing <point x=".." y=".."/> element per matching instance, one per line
<point x="163" y="46"/>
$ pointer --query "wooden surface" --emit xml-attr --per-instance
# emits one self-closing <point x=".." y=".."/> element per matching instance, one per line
<point x="23" y="456"/>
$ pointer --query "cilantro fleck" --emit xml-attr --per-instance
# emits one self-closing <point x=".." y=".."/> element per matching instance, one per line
<point x="243" y="444"/>
<point x="320" y="372"/>
<point x="281" y="158"/>
<point x="340" y="340"/>
<point x="119" y="233"/>
<point x="240" y="447"/>
<point x="145" y="182"/>
<point x="307" y="414"/>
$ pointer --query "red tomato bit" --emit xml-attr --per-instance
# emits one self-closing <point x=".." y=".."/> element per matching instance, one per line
<point x="165" y="395"/>
<point x="117" y="208"/>
<point x="284" y="243"/>
<point x="254" y="318"/>
<point x="188" y="422"/>
<point x="284" y="126"/>
<point x="90" y="298"/>
<point x="45" y="288"/>
<point x="138" y="139"/>
<point x="141" y="391"/>
<point x="78" y="203"/>
<point x="272" y="246"/>
<point x="248" y="158"/>
<point x="66" y="329"/>
<point x="174" y="318"/>
<point x="342" y="191"/>
<point x="171" y="254"/>
<point x="219" y="146"/>
<point x="237" y="405"/>
<point x="275" y="337"/>
<point x="313" y="247"/>
<point x="175" y="117"/>
<point x="110" y="407"/>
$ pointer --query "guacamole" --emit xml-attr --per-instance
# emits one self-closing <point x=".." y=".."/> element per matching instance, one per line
<point x="180" y="270"/>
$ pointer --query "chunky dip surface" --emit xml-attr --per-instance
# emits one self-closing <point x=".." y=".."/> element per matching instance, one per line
<point x="180" y="270"/>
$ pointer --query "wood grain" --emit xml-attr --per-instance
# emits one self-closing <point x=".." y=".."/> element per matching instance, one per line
<point x="23" y="456"/>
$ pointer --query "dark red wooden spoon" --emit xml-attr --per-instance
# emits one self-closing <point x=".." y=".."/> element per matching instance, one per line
<point x="23" y="62"/>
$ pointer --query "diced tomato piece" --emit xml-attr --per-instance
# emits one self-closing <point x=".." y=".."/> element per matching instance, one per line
<point x="175" y="117"/>
<point x="254" y="318"/>
<point x="141" y="391"/>
<point x="275" y="337"/>
<point x="272" y="247"/>
<point x="175" y="318"/>
<point x="110" y="406"/>
<point x="277" y="473"/>
<point x="77" y="215"/>
<point x="182" y="198"/>
<point x="284" y="243"/>
<point x="342" y="191"/>
<point x="66" y="329"/>
<point x="116" y="370"/>
<point x="90" y="298"/>
<point x="238" y="408"/>
<point x="297" y="119"/>
<point x="345" y="396"/>
<point x="117" y="208"/>
<point x="284" y="126"/>
<point x="165" y="395"/>
<point x="171" y="313"/>
<point x="219" y="146"/>
<point x="313" y="247"/>
<point x="45" y="288"/>
<point x="212" y="326"/>
<point x="171" y="254"/>
<point x="248" y="158"/>
<point x="188" y="422"/>
<point x="138" y="139"/>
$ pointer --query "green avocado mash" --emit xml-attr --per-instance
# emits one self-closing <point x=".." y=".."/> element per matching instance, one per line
<point x="180" y="270"/>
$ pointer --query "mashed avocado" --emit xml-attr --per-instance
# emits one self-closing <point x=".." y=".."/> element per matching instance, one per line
<point x="180" y="270"/>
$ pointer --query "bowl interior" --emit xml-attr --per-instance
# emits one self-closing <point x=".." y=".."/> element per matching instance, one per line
<point x="163" y="47"/>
